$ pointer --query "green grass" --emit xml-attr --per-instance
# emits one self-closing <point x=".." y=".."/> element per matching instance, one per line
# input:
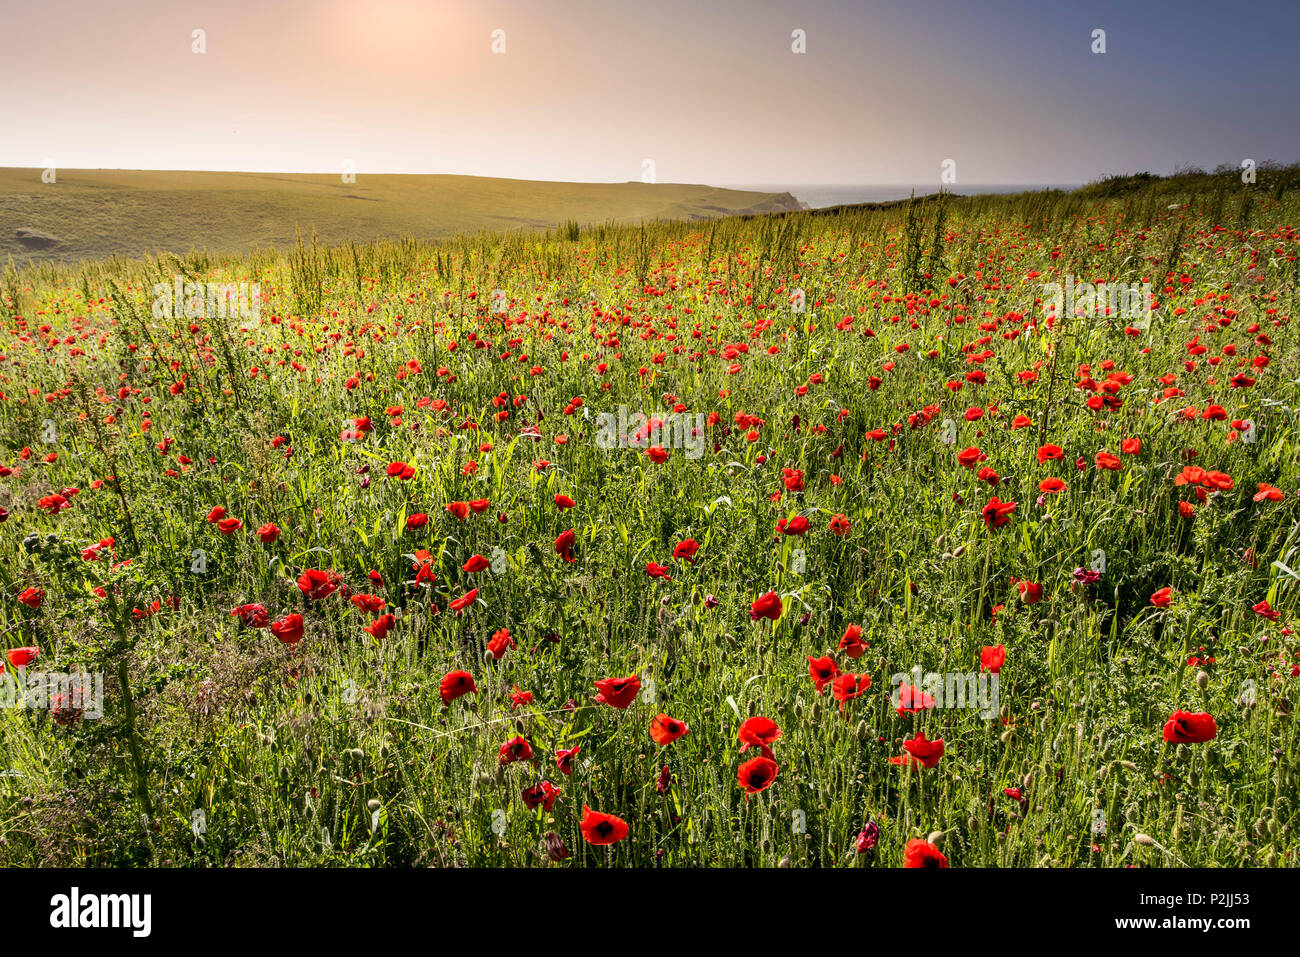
<point x="101" y="213"/>
<point x="290" y="751"/>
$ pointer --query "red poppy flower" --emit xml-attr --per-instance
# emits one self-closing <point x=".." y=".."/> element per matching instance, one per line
<point x="1051" y="486"/>
<point x="617" y="692"/>
<point x="996" y="513"/>
<point x="316" y="584"/>
<point x="992" y="658"/>
<point x="1190" y="727"/>
<point x="1031" y="593"/>
<point x="381" y="626"/>
<point x="268" y="533"/>
<point x="795" y="526"/>
<point x="851" y="643"/>
<point x="499" y="642"/>
<point x="758" y="732"/>
<point x="840" y="524"/>
<point x="921" y="853"/>
<point x="1264" y="609"/>
<point x="32" y="597"/>
<point x="454" y="684"/>
<point x="600" y="829"/>
<point x="1050" y="453"/>
<point x="542" y="794"/>
<point x="766" y="606"/>
<point x="1163" y="597"/>
<point x="475" y="563"/>
<point x="666" y="730"/>
<point x="228" y="526"/>
<point x="822" y="670"/>
<point x="217" y="514"/>
<point x="1267" y="491"/>
<point x="757" y="774"/>
<point x="516" y="749"/>
<point x="564" y="759"/>
<point x="400" y="471"/>
<point x="1219" y="480"/>
<point x="22" y="657"/>
<point x="563" y="501"/>
<point x="288" y="629"/>
<point x="1105" y="460"/>
<point x="848" y="686"/>
<point x="920" y="750"/>
<point x="685" y="550"/>
<point x="464" y="601"/>
<point x="911" y="700"/>
<point x="252" y="615"/>
<point x="564" y="545"/>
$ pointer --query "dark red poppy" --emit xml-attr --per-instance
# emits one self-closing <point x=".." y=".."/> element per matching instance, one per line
<point x="822" y="670"/>
<point x="464" y="601"/>
<point x="1190" y="727"/>
<point x="564" y="545"/>
<point x="288" y="629"/>
<point x="564" y="759"/>
<point x="252" y="616"/>
<point x="454" y="684"/>
<point x="317" y="585"/>
<point x="617" y="692"/>
<point x="666" y="730"/>
<point x="758" y="732"/>
<point x="996" y="513"/>
<point x="22" y="657"/>
<point x="600" y="829"/>
<point x="757" y="774"/>
<point x="921" y="853"/>
<point x="851" y="643"/>
<point x="848" y="686"/>
<point x="766" y="606"/>
<point x="516" y="749"/>
<point x="499" y="642"/>
<point x="541" y="794"/>
<point x="686" y="549"/>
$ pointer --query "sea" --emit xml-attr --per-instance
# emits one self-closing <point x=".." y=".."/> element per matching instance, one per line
<point x="820" y="195"/>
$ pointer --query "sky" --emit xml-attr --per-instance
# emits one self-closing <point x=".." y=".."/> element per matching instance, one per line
<point x="711" y="91"/>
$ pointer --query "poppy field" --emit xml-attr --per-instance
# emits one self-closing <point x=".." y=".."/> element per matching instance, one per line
<point x="878" y="539"/>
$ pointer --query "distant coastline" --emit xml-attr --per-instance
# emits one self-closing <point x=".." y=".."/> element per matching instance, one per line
<point x="818" y="196"/>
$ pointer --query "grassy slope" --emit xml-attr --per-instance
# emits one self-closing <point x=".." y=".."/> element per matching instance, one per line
<point x="99" y="213"/>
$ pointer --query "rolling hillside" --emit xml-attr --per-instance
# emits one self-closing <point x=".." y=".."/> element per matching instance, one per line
<point x="92" y="214"/>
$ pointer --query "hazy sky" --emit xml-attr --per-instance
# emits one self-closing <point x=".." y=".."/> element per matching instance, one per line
<point x="708" y="89"/>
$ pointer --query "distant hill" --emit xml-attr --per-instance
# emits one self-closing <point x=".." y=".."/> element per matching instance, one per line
<point x="93" y="214"/>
